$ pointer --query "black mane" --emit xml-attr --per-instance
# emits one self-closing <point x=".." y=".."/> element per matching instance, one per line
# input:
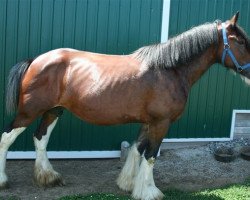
<point x="179" y="50"/>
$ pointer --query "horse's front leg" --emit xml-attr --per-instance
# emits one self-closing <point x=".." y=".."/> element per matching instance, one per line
<point x="130" y="169"/>
<point x="148" y="146"/>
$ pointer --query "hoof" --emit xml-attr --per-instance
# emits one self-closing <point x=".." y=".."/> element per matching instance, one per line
<point x="151" y="193"/>
<point x="4" y="185"/>
<point x="125" y="183"/>
<point x="48" y="179"/>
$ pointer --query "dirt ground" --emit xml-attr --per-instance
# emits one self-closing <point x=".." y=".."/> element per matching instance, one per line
<point x="188" y="168"/>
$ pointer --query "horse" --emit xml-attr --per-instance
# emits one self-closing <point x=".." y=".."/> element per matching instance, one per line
<point x="149" y="86"/>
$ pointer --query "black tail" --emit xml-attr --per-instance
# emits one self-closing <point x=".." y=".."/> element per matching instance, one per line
<point x="13" y="85"/>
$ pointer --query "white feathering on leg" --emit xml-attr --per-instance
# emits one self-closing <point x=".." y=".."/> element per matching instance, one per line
<point x="145" y="188"/>
<point x="44" y="173"/>
<point x="130" y="169"/>
<point x="6" y="140"/>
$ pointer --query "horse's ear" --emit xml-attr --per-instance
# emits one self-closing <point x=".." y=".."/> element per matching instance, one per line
<point x="234" y="19"/>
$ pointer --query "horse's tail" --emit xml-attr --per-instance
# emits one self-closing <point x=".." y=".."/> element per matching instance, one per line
<point x="13" y="85"/>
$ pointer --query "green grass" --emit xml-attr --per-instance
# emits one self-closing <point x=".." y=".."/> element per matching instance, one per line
<point x="233" y="192"/>
<point x="10" y="198"/>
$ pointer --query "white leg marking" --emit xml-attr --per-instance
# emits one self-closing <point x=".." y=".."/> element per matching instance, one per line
<point x="145" y="188"/>
<point x="44" y="173"/>
<point x="127" y="176"/>
<point x="6" y="140"/>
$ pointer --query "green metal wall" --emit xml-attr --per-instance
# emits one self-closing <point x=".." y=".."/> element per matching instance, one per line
<point x="218" y="92"/>
<point x="31" y="27"/>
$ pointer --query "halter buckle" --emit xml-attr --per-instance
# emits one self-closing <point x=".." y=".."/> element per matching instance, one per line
<point x="226" y="46"/>
<point x="239" y="69"/>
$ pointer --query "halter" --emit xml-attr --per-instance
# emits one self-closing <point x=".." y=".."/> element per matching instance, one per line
<point x="228" y="51"/>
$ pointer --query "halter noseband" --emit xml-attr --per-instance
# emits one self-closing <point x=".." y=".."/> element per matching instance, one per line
<point x="228" y="51"/>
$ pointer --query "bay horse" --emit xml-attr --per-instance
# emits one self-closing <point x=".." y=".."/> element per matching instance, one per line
<point x="149" y="86"/>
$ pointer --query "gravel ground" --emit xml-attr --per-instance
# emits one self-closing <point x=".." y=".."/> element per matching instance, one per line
<point x="187" y="168"/>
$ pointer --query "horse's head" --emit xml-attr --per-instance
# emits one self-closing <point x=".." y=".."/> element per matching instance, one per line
<point x="234" y="46"/>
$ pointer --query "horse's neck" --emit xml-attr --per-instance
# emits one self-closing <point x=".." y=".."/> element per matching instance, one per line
<point x="199" y="65"/>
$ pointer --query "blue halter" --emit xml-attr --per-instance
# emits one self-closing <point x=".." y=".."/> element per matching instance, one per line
<point x="228" y="51"/>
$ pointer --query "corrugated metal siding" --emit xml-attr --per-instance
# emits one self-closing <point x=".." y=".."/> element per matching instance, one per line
<point x="218" y="92"/>
<point x="29" y="28"/>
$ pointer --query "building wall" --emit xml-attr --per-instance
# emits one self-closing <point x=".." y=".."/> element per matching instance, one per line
<point x="212" y="99"/>
<point x="29" y="28"/>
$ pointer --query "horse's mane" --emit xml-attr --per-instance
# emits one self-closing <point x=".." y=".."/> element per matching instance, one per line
<point x="179" y="50"/>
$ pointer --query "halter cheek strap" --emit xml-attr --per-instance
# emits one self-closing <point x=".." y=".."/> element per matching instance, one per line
<point x="228" y="51"/>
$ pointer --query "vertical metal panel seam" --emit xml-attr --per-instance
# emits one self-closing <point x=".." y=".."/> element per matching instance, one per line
<point x="217" y="70"/>
<point x="139" y="31"/>
<point x="188" y="102"/>
<point x="17" y="30"/>
<point x="4" y="62"/>
<point x="165" y="20"/>
<point x="41" y="26"/>
<point x="129" y="27"/>
<point x="52" y="30"/>
<point x="198" y="98"/>
<point x="107" y="30"/>
<point x="63" y="22"/>
<point x="97" y="18"/>
<point x="206" y="105"/>
<point x="86" y="16"/>
<point x="74" y="35"/>
<point x="29" y="29"/>
<point x="118" y="27"/>
<point x="150" y="19"/>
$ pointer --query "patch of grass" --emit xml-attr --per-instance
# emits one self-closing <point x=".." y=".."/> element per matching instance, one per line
<point x="10" y="198"/>
<point x="233" y="192"/>
<point x="96" y="197"/>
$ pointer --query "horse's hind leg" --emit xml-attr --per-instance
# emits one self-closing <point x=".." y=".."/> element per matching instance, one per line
<point x="44" y="174"/>
<point x="18" y="125"/>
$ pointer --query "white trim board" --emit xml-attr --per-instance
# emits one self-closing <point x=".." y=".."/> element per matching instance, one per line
<point x="196" y="139"/>
<point x="65" y="154"/>
<point x="96" y="154"/>
<point x="165" y="21"/>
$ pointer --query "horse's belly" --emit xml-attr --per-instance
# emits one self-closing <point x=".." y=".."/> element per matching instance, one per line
<point x="107" y="110"/>
<point x="105" y="117"/>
